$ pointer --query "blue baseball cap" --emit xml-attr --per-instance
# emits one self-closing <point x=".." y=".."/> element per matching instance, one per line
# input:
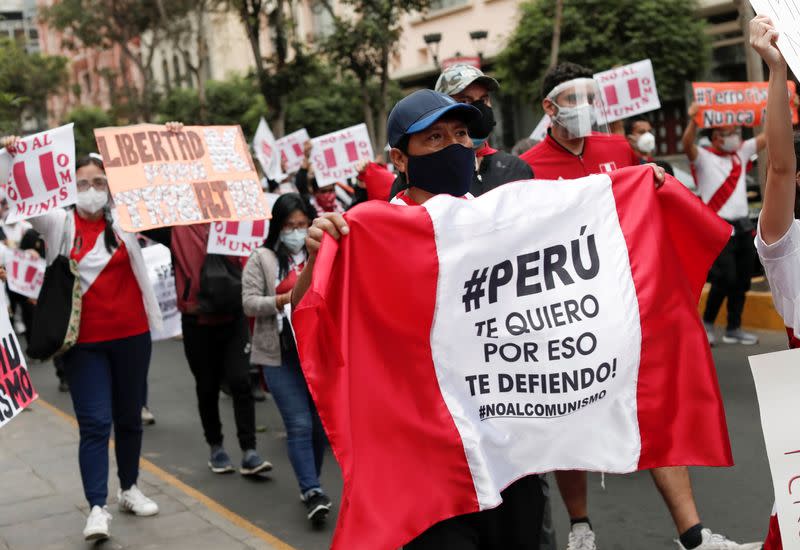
<point x="420" y="110"/>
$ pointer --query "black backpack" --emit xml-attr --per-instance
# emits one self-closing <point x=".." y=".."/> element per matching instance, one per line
<point x="220" y="289"/>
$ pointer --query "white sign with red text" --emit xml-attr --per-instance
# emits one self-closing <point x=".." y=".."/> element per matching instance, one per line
<point x="291" y="148"/>
<point x="335" y="155"/>
<point x="41" y="174"/>
<point x="24" y="272"/>
<point x="778" y="389"/>
<point x="266" y="150"/>
<point x="237" y="238"/>
<point x="628" y="90"/>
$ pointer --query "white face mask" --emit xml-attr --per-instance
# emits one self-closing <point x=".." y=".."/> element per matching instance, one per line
<point x="646" y="143"/>
<point x="731" y="143"/>
<point x="294" y="239"/>
<point x="91" y="201"/>
<point x="578" y="121"/>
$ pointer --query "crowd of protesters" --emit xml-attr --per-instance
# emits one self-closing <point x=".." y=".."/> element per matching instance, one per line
<point x="439" y="143"/>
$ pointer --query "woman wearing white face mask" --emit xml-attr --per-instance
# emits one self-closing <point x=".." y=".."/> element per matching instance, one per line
<point x="107" y="367"/>
<point x="267" y="282"/>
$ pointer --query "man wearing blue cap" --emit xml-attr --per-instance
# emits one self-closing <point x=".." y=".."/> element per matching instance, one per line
<point x="432" y="150"/>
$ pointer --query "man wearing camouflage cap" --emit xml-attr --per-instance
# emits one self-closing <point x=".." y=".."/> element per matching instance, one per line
<point x="468" y="84"/>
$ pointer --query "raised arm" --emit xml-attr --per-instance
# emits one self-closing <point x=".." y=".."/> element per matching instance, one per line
<point x="777" y="214"/>
<point x="690" y="134"/>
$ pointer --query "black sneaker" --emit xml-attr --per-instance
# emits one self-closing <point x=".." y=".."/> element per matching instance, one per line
<point x="318" y="505"/>
<point x="63" y="386"/>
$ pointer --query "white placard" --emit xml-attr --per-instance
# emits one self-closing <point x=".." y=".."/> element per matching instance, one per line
<point x="540" y="132"/>
<point x="24" y="272"/>
<point x="291" y="149"/>
<point x="41" y="175"/>
<point x="267" y="153"/>
<point x="629" y="90"/>
<point x="335" y="155"/>
<point x="785" y="15"/>
<point x="237" y="238"/>
<point x="16" y="389"/>
<point x="777" y="378"/>
<point x="161" y="273"/>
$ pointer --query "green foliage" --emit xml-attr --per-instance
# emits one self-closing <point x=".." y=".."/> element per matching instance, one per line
<point x="600" y="34"/>
<point x="25" y="81"/>
<point x="86" y="119"/>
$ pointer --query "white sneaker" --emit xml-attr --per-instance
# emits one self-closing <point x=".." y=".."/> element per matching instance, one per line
<point x="715" y="541"/>
<point x="581" y="538"/>
<point x="135" y="502"/>
<point x="712" y="339"/>
<point x="97" y="524"/>
<point x="147" y="417"/>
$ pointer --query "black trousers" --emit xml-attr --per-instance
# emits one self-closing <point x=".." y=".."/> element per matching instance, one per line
<point x="218" y="353"/>
<point x="730" y="278"/>
<point x="514" y="525"/>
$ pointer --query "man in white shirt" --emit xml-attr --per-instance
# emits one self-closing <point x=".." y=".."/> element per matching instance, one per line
<point x="720" y="173"/>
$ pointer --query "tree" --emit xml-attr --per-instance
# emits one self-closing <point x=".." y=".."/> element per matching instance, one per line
<point x="603" y="33"/>
<point x="105" y="24"/>
<point x="26" y="80"/>
<point x="86" y="119"/>
<point x="362" y="42"/>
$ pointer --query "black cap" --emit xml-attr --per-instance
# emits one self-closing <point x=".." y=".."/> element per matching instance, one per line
<point x="420" y="110"/>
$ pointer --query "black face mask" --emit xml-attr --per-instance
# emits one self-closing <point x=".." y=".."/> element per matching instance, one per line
<point x="448" y="171"/>
<point x="482" y="127"/>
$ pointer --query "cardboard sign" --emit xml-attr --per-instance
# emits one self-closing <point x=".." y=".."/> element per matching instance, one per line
<point x="785" y="15"/>
<point x="629" y="90"/>
<point x="540" y="132"/>
<point x="41" y="174"/>
<point x="291" y="148"/>
<point x="735" y="103"/>
<point x="335" y="155"/>
<point x="778" y="388"/>
<point x="16" y="389"/>
<point x="267" y="153"/>
<point x="24" y="272"/>
<point x="160" y="178"/>
<point x="158" y="260"/>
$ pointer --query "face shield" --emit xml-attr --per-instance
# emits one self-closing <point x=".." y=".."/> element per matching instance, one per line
<point x="580" y="109"/>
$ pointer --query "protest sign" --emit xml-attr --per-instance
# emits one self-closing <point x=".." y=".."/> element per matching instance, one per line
<point x="158" y="260"/>
<point x="335" y="155"/>
<point x="41" y="174"/>
<point x="16" y="389"/>
<point x="267" y="152"/>
<point x="778" y="388"/>
<point x="160" y="178"/>
<point x="785" y="15"/>
<point x="540" y="132"/>
<point x="291" y="148"/>
<point x="735" y="103"/>
<point x="628" y="90"/>
<point x="24" y="272"/>
<point x="239" y="238"/>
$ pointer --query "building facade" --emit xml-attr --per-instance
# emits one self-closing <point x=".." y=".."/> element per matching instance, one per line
<point x="18" y="21"/>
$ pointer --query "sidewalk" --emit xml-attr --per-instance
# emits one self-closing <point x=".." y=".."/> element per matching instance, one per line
<point x="42" y="504"/>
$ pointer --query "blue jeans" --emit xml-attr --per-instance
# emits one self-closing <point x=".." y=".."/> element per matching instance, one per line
<point x="106" y="382"/>
<point x="305" y="437"/>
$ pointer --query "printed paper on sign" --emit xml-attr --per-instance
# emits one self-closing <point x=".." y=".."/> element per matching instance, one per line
<point x="785" y="15"/>
<point x="24" y="272"/>
<point x="41" y="175"/>
<point x="335" y="155"/>
<point x="291" y="148"/>
<point x="158" y="260"/>
<point x="735" y="103"/>
<point x="16" y="389"/>
<point x="237" y="238"/>
<point x="778" y="388"/>
<point x="160" y="178"/>
<point x="267" y="152"/>
<point x="629" y="90"/>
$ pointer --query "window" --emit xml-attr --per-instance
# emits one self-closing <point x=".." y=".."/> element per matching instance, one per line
<point x="445" y="4"/>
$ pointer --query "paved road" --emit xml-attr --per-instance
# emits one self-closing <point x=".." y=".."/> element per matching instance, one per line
<point x="627" y="515"/>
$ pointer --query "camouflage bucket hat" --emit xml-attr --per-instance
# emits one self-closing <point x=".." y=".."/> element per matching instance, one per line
<point x="455" y="79"/>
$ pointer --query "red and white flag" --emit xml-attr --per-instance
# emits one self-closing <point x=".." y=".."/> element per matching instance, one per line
<point x="41" y="175"/>
<point x="455" y="347"/>
<point x="266" y="150"/>
<point x="24" y="272"/>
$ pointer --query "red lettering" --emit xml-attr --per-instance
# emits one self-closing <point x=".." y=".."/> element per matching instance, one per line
<point x="139" y="139"/>
<point x="108" y="161"/>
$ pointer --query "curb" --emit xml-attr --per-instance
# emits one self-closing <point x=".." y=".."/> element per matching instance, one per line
<point x="759" y="312"/>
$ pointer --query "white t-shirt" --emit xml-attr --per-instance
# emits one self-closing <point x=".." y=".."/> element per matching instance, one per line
<point x="781" y="262"/>
<point x="711" y="171"/>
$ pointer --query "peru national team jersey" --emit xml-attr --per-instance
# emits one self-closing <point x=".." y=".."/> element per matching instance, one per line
<point x="112" y="305"/>
<point x="601" y="153"/>
<point x="722" y="179"/>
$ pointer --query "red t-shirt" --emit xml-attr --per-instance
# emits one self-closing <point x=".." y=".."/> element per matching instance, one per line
<point x="112" y="305"/>
<point x="601" y="153"/>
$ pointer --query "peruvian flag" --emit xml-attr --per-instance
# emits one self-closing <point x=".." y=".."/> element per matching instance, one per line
<point x="455" y="347"/>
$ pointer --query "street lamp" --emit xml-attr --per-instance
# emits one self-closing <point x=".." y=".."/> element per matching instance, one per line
<point x="432" y="41"/>
<point x="479" y="40"/>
